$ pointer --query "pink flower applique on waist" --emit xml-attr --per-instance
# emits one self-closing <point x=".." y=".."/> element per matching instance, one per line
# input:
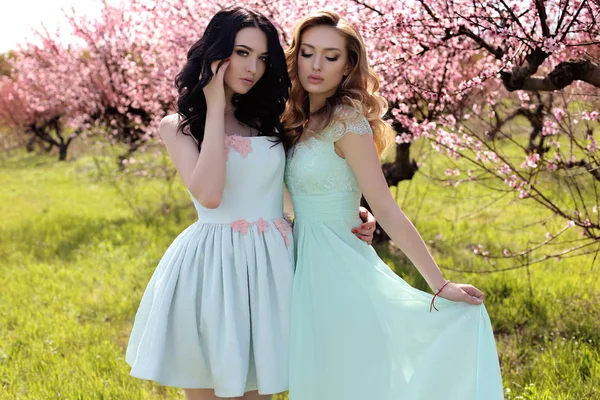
<point x="241" y="225"/>
<point x="261" y="226"/>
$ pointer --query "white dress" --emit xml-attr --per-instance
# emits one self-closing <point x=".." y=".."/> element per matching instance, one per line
<point x="216" y="312"/>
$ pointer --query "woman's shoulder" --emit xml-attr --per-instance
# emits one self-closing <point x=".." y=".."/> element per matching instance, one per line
<point x="345" y="112"/>
<point x="170" y="121"/>
<point x="169" y="125"/>
<point x="348" y="119"/>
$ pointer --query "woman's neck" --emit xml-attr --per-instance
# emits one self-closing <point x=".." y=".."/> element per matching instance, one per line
<point x="316" y="101"/>
<point x="228" y="100"/>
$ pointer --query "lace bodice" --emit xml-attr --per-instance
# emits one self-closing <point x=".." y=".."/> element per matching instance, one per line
<point x="313" y="166"/>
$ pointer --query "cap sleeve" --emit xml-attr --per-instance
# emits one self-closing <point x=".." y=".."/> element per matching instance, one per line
<point x="348" y="120"/>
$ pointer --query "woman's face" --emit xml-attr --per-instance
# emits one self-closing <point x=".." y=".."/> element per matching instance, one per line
<point x="322" y="60"/>
<point x="248" y="61"/>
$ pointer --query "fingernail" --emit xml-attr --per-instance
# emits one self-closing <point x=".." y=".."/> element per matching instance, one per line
<point x="354" y="231"/>
<point x="362" y="227"/>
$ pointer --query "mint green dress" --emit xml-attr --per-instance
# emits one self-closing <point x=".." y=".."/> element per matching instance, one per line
<point x="360" y="332"/>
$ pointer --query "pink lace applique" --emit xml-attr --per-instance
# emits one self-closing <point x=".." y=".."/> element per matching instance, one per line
<point x="242" y="145"/>
<point x="241" y="225"/>
<point x="284" y="228"/>
<point x="261" y="226"/>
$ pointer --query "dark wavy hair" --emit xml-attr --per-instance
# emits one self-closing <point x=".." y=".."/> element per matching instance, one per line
<point x="262" y="106"/>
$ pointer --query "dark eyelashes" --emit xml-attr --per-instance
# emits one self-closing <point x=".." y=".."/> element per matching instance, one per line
<point x="244" y="53"/>
<point x="307" y="55"/>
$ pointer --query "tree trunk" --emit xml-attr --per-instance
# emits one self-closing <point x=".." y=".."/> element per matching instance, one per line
<point x="402" y="169"/>
<point x="62" y="152"/>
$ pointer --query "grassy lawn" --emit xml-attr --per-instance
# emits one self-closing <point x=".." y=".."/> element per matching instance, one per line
<point x="76" y="258"/>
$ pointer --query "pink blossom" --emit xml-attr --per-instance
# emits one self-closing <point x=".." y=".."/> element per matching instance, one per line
<point x="550" y="128"/>
<point x="505" y="169"/>
<point x="559" y="113"/>
<point x="503" y="32"/>
<point x="593" y="146"/>
<point x="551" y="45"/>
<point x="589" y="116"/>
<point x="531" y="161"/>
<point x="403" y="138"/>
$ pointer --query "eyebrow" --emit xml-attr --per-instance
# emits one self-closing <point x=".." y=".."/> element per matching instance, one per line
<point x="249" y="48"/>
<point x="327" y="49"/>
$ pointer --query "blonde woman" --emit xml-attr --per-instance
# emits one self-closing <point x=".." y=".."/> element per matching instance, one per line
<point x="359" y="332"/>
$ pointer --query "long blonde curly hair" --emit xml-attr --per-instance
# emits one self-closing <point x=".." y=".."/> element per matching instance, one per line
<point x="358" y="90"/>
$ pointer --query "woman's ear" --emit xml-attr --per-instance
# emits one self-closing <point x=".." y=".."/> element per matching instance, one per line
<point x="347" y="70"/>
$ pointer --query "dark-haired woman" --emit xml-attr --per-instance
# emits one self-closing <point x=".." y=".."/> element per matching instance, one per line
<point x="215" y="316"/>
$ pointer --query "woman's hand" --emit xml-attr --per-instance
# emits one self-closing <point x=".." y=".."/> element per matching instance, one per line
<point x="462" y="292"/>
<point x="214" y="91"/>
<point x="366" y="230"/>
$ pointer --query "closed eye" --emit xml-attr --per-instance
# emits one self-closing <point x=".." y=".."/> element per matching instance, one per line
<point x="305" y="55"/>
<point x="332" y="58"/>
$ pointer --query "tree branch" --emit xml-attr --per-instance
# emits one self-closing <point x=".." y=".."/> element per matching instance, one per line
<point x="369" y="7"/>
<point x="547" y="257"/>
<point x="539" y="5"/>
<point x="517" y="78"/>
<point x="429" y="11"/>
<point x="497" y="52"/>
<point x="572" y="21"/>
<point x="594" y="171"/>
<point x="562" y="17"/>
<point x="561" y="76"/>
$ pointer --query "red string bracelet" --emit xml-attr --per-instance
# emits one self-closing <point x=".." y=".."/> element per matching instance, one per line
<point x="432" y="305"/>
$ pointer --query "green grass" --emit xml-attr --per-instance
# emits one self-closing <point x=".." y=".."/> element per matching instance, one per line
<point x="76" y="258"/>
<point x="75" y="263"/>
